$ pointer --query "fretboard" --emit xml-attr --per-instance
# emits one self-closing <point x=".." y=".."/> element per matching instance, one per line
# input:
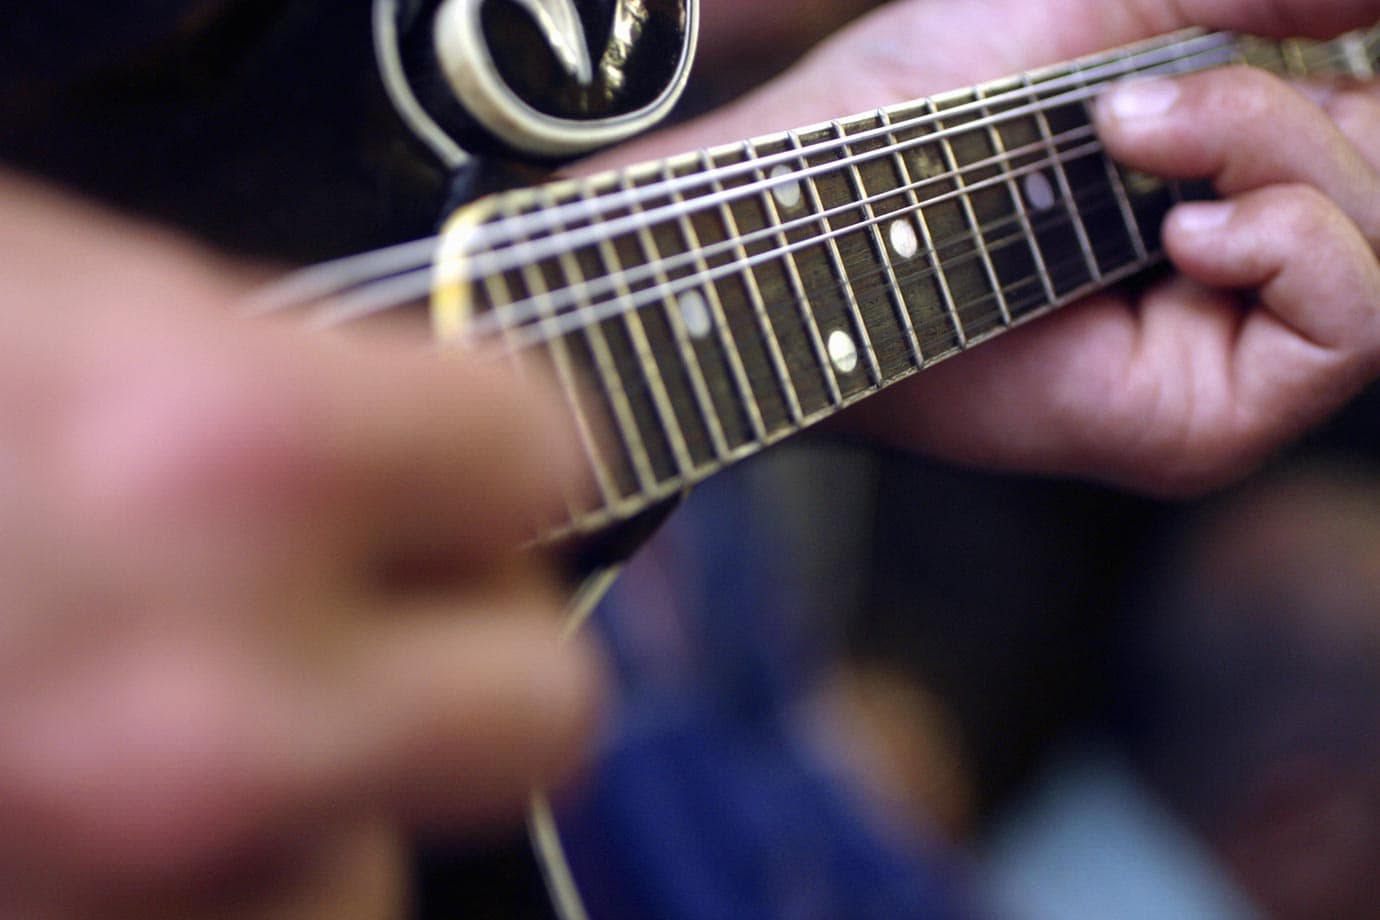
<point x="699" y="309"/>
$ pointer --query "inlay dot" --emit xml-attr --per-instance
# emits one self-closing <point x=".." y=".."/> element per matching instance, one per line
<point x="694" y="312"/>
<point x="843" y="352"/>
<point x="903" y="239"/>
<point x="1039" y="192"/>
<point x="788" y="194"/>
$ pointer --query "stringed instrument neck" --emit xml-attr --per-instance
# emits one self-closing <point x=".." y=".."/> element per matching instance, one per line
<point x="699" y="309"/>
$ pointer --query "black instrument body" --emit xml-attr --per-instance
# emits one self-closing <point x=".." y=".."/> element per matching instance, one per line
<point x="267" y="127"/>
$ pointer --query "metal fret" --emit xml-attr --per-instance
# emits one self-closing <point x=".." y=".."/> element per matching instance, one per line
<point x="1123" y="198"/>
<point x="1061" y="178"/>
<point x="927" y="237"/>
<point x="637" y="331"/>
<point x="607" y="372"/>
<point x="1035" y="169"/>
<point x="1295" y="60"/>
<point x="768" y="269"/>
<point x="735" y="357"/>
<point x="1260" y="53"/>
<point x="1175" y="189"/>
<point x="880" y="246"/>
<point x="1358" y="62"/>
<point x="840" y="271"/>
<point x="559" y="349"/>
<point x="754" y="292"/>
<point x="1018" y="199"/>
<point x="951" y="159"/>
<point x="1322" y="59"/>
<point x="1128" y="213"/>
<point x="698" y="383"/>
<point x="495" y="289"/>
<point x="793" y="275"/>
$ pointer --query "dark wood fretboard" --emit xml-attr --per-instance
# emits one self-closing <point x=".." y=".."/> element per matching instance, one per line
<point x="701" y="308"/>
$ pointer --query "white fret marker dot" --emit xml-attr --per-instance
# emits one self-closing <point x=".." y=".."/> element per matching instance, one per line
<point x="695" y="313"/>
<point x="1039" y="192"/>
<point x="843" y="352"/>
<point x="788" y="194"/>
<point x="904" y="240"/>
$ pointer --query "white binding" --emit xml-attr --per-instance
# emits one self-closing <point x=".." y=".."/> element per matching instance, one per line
<point x="469" y="67"/>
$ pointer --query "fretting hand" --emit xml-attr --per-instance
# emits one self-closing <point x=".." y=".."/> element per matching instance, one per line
<point x="1273" y="321"/>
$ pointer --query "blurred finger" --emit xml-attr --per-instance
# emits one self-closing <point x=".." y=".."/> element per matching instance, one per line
<point x="448" y="454"/>
<point x="465" y="714"/>
<point x="169" y="754"/>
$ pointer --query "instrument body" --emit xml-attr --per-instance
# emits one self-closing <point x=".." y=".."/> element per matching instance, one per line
<point x="280" y="129"/>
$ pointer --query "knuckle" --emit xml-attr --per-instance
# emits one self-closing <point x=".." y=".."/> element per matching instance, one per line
<point x="1244" y="94"/>
<point x="136" y="768"/>
<point x="1304" y="212"/>
<point x="1357" y="115"/>
<point x="177" y="437"/>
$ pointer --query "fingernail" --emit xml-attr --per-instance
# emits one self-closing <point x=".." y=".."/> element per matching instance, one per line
<point x="1203" y="218"/>
<point x="1139" y="99"/>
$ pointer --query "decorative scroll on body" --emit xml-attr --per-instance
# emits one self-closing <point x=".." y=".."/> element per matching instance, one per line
<point x="702" y="308"/>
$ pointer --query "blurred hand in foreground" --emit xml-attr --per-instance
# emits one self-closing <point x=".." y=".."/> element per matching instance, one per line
<point x="261" y="606"/>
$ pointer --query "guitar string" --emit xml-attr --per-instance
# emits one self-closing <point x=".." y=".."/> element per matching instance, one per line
<point x="1027" y="307"/>
<point x="409" y="287"/>
<point x="1082" y="85"/>
<point x="318" y="282"/>
<point x="485" y="259"/>
<point x="1329" y="55"/>
<point x="1034" y="301"/>
<point x="1157" y="60"/>
<point x="531" y="315"/>
<point x="565" y="324"/>
<point x="523" y="252"/>
<point x="1037" y="302"/>
<point x="1030" y="306"/>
